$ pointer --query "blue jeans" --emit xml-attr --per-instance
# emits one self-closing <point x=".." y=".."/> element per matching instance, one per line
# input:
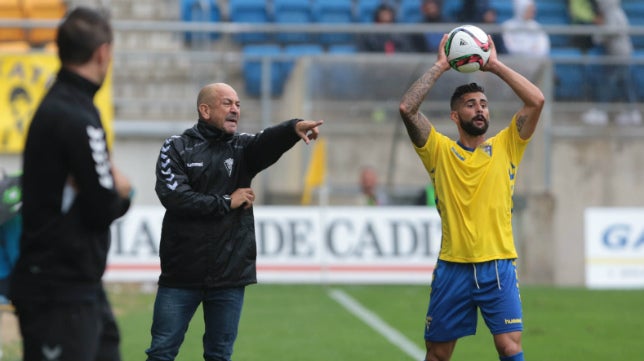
<point x="173" y="310"/>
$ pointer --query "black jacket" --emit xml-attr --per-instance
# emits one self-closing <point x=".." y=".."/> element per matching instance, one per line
<point x="69" y="199"/>
<point x="205" y="244"/>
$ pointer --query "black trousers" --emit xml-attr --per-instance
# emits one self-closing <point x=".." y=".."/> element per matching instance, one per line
<point x="69" y="330"/>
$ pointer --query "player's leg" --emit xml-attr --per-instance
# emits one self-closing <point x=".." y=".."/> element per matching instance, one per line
<point x="109" y="337"/>
<point x="222" y="312"/>
<point x="508" y="345"/>
<point x="451" y="313"/>
<point x="439" y="351"/>
<point x="173" y="310"/>
<point x="500" y="303"/>
<point x="61" y="330"/>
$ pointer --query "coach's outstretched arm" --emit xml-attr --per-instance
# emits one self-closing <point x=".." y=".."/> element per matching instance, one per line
<point x="530" y="94"/>
<point x="417" y="124"/>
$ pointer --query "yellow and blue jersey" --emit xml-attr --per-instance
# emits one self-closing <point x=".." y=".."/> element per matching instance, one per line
<point x="474" y="189"/>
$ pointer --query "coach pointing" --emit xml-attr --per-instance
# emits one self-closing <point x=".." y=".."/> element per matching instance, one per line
<point x="208" y="238"/>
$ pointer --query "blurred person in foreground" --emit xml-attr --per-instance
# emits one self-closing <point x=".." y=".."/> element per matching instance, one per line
<point x="71" y="194"/>
<point x="208" y="249"/>
<point x="474" y="179"/>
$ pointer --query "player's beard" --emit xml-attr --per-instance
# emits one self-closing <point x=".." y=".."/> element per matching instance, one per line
<point x="471" y="129"/>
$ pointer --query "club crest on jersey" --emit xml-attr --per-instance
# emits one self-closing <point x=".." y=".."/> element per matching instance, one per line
<point x="228" y="163"/>
<point x="487" y="148"/>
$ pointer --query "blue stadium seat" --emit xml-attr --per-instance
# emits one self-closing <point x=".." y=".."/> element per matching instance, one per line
<point x="293" y="12"/>
<point x="569" y="77"/>
<point x="200" y="11"/>
<point x="365" y="10"/>
<point x="342" y="49"/>
<point x="334" y="12"/>
<point x="638" y="74"/>
<point x="299" y="50"/>
<point x="635" y="12"/>
<point x="409" y="11"/>
<point x="249" y="11"/>
<point x="552" y="13"/>
<point x="450" y="8"/>
<point x="252" y="69"/>
<point x="504" y="10"/>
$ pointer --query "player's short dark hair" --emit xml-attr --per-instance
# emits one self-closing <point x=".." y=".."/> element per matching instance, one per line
<point x="462" y="90"/>
<point x="82" y="31"/>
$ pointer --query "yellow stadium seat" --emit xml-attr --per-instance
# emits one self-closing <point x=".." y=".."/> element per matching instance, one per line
<point x="11" y="9"/>
<point x="14" y="46"/>
<point x="43" y="9"/>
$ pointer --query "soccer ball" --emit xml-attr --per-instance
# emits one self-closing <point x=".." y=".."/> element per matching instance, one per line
<point x="467" y="48"/>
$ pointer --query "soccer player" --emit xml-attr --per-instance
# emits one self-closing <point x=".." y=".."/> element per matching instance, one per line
<point x="474" y="180"/>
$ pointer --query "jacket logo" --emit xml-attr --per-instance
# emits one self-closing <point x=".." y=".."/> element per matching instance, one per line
<point x="191" y="165"/>
<point x="228" y="163"/>
<point x="51" y="353"/>
<point x="100" y="156"/>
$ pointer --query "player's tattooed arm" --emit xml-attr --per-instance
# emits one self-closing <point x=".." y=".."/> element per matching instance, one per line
<point x="417" y="124"/>
<point x="521" y="119"/>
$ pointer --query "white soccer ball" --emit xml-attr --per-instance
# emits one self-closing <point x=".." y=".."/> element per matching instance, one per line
<point x="467" y="48"/>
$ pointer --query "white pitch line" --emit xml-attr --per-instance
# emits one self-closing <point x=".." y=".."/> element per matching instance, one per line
<point x="377" y="324"/>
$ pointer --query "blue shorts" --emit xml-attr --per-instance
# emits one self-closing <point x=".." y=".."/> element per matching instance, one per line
<point x="458" y="289"/>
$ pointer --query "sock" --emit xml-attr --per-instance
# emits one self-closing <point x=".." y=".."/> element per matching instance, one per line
<point x="517" y="357"/>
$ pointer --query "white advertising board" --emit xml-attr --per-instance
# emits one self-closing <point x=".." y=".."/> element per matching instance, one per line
<point x="614" y="247"/>
<point x="303" y="244"/>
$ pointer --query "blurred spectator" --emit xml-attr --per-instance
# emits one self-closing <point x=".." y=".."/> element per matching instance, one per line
<point x="583" y="12"/>
<point x="522" y="34"/>
<point x="432" y="11"/>
<point x="388" y="43"/>
<point x="472" y="11"/>
<point x="372" y="193"/>
<point x="490" y="17"/>
<point x="614" y="81"/>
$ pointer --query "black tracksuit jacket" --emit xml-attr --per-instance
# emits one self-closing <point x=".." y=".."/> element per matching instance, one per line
<point x="69" y="198"/>
<point x="204" y="243"/>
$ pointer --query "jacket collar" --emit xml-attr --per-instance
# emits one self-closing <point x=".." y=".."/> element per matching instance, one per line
<point x="212" y="133"/>
<point x="84" y="85"/>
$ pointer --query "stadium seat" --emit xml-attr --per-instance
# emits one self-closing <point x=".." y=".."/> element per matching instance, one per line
<point x="635" y="12"/>
<point x="297" y="51"/>
<point x="252" y="69"/>
<point x="365" y="10"/>
<point x="11" y="9"/>
<point x="504" y="10"/>
<point x="342" y="49"/>
<point x="409" y="11"/>
<point x="21" y="47"/>
<point x="638" y="73"/>
<point x="43" y="9"/>
<point x="450" y="8"/>
<point x="292" y="12"/>
<point x="569" y="76"/>
<point x="200" y="11"/>
<point x="334" y="12"/>
<point x="249" y="11"/>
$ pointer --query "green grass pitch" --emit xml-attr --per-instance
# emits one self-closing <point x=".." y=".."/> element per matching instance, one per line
<point x="304" y="323"/>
